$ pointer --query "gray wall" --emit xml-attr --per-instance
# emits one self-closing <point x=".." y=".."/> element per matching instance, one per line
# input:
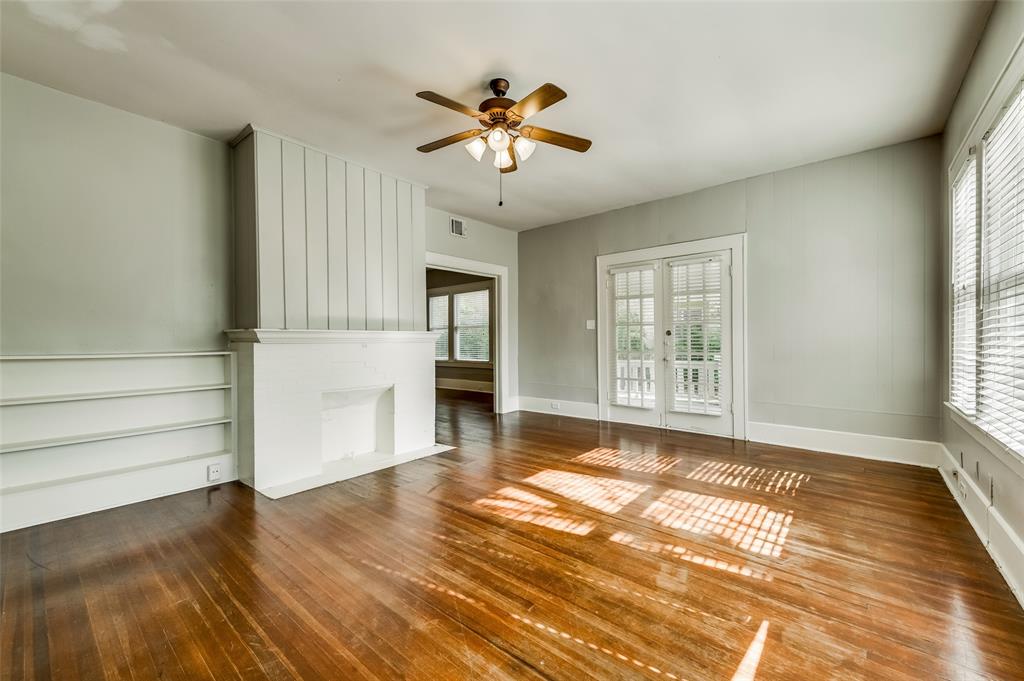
<point x="116" y="229"/>
<point x="973" y="113"/>
<point x="484" y="243"/>
<point x="843" y="289"/>
<point x="323" y="243"/>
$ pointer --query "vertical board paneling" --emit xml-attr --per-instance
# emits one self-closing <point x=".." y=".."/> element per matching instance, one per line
<point x="269" y="229"/>
<point x="356" y="227"/>
<point x="405" y="246"/>
<point x="337" y="245"/>
<point x="293" y="211"/>
<point x="419" y="250"/>
<point x="389" y="250"/>
<point x="246" y="279"/>
<point x="316" y="239"/>
<point x="374" y="282"/>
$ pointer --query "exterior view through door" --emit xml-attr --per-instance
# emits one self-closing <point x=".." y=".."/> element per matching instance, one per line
<point x="669" y="347"/>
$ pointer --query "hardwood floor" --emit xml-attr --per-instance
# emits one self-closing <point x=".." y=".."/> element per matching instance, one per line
<point x="541" y="547"/>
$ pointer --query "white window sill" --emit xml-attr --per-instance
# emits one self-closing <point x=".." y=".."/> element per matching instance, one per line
<point x="1012" y="459"/>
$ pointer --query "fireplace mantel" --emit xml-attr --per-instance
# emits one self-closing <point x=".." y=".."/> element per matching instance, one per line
<point x="328" y="336"/>
<point x="319" y="406"/>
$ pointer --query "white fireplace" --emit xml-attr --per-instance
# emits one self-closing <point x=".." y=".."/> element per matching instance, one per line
<point x="316" y="407"/>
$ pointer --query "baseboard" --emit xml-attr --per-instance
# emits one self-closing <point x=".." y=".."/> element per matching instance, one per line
<point x="463" y="384"/>
<point x="876" y="447"/>
<point x="57" y="502"/>
<point x="344" y="469"/>
<point x="1000" y="539"/>
<point x="544" y="405"/>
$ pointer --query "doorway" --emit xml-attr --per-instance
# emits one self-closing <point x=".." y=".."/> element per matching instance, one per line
<point x="460" y="308"/>
<point x="671" y="332"/>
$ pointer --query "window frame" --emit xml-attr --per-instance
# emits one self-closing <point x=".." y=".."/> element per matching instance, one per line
<point x="451" y="292"/>
<point x="973" y="423"/>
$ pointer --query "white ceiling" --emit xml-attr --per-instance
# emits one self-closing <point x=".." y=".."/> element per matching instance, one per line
<point x="675" y="96"/>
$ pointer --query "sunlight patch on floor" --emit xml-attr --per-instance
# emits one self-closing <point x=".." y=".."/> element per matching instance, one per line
<point x="689" y="555"/>
<point x="517" y="504"/>
<point x="749" y="526"/>
<point x="603" y="494"/>
<point x="747" y="671"/>
<point x="627" y="460"/>
<point x="774" y="480"/>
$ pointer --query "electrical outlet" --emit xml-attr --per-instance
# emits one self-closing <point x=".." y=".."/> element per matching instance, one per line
<point x="963" y="488"/>
<point x="557" y="406"/>
<point x="213" y="472"/>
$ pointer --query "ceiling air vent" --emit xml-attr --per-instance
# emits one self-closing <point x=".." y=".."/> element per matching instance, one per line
<point x="457" y="227"/>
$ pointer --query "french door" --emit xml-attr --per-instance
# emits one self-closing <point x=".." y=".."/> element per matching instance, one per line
<point x="670" y="342"/>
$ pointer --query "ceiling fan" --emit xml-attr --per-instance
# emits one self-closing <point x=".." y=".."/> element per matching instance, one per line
<point x="503" y="131"/>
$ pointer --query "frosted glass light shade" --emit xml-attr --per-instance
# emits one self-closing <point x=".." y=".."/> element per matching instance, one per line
<point x="497" y="139"/>
<point x="524" y="147"/>
<point x="476" y="148"/>
<point x="502" y="159"/>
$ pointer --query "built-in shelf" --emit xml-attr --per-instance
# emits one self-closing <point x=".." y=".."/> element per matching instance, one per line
<point x="109" y="435"/>
<point x="111" y="394"/>
<point x="14" y="489"/>
<point x="137" y="355"/>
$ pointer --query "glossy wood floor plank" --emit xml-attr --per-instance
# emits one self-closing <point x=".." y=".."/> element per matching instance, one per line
<point x="540" y="548"/>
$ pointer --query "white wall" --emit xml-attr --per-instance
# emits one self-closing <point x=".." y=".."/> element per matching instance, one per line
<point x="996" y="69"/>
<point x="116" y="229"/>
<point x="324" y="243"/>
<point x="484" y="243"/>
<point x="843" y="282"/>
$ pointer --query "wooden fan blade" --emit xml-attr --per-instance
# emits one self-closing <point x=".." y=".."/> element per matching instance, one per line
<point x="512" y="153"/>
<point x="541" y="98"/>
<point x="449" y="103"/>
<point x="450" y="139"/>
<point x="559" y="139"/>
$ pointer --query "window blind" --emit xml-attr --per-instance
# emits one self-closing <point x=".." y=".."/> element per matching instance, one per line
<point x="472" y="326"/>
<point x="1000" y="399"/>
<point x="438" y="321"/>
<point x="632" y="361"/>
<point x="696" y="325"/>
<point x="964" y="294"/>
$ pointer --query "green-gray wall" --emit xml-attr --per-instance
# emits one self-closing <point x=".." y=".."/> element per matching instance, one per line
<point x="116" y="229"/>
<point x="996" y="69"/>
<point x="844" y="277"/>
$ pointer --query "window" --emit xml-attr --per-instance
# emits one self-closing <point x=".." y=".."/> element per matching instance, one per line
<point x="472" y="326"/>
<point x="987" y="354"/>
<point x="438" y="309"/>
<point x="462" y="314"/>
<point x="964" y="294"/>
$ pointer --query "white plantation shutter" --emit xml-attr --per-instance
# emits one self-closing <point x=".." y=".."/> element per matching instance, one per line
<point x="696" y="325"/>
<point x="631" y="373"/>
<point x="1000" y="401"/>
<point x="964" y="294"/>
<point x="438" y="321"/>
<point x="472" y="326"/>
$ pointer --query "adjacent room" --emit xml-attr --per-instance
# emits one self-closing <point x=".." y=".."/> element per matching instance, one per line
<point x="679" y="341"/>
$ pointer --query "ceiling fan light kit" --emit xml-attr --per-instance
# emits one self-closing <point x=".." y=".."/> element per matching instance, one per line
<point x="501" y="121"/>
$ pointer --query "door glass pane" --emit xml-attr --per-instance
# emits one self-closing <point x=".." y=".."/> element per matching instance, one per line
<point x="695" y="319"/>
<point x="632" y="374"/>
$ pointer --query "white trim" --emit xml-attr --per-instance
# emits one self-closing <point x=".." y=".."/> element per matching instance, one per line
<point x="127" y="355"/>
<point x="1006" y="455"/>
<point x="504" y="401"/>
<point x="736" y="243"/>
<point x="877" y="447"/>
<point x="344" y="469"/>
<point x="465" y="384"/>
<point x="544" y="405"/>
<point x="328" y="336"/>
<point x="1000" y="539"/>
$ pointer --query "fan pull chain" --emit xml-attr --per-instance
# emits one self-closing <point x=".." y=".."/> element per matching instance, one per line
<point x="500" y="201"/>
